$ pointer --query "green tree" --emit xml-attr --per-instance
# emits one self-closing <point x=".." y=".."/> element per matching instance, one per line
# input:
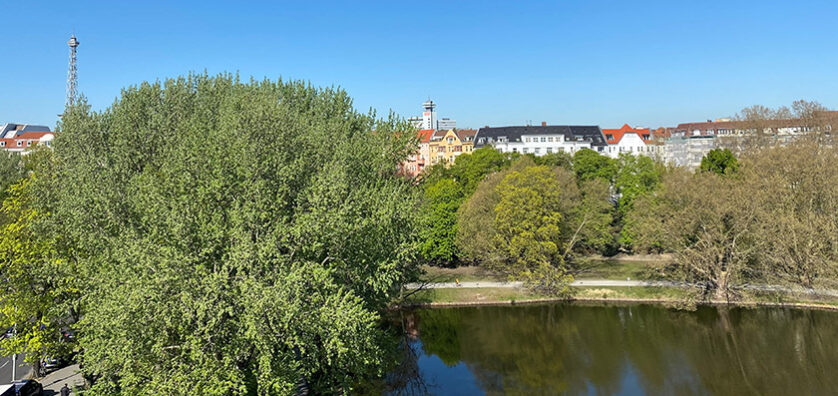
<point x="232" y="237"/>
<point x="439" y="222"/>
<point x="470" y="169"/>
<point x="636" y="176"/>
<point x="528" y="224"/>
<point x="39" y="292"/>
<point x="557" y="160"/>
<point x="710" y="222"/>
<point x="588" y="165"/>
<point x="11" y="171"/>
<point x="720" y="161"/>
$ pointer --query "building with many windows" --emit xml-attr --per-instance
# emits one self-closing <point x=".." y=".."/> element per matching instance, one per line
<point x="445" y="146"/>
<point x="20" y="137"/>
<point x="429" y="119"/>
<point x="628" y="140"/>
<point x="417" y="161"/>
<point x="541" y="140"/>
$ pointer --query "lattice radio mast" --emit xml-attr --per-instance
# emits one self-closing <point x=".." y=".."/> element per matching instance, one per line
<point x="72" y="78"/>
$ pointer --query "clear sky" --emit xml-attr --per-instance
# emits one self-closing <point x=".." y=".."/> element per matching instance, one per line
<point x="646" y="63"/>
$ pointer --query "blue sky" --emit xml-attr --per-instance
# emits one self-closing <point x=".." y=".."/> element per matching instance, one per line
<point x="647" y="63"/>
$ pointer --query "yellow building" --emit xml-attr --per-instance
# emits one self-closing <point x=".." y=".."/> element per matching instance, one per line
<point x="445" y="146"/>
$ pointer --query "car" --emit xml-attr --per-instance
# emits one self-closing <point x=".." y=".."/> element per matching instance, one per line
<point x="28" y="388"/>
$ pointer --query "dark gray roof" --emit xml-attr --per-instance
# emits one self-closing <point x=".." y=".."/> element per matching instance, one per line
<point x="590" y="133"/>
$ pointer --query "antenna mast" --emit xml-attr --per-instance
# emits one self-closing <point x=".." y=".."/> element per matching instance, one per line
<point x="72" y="78"/>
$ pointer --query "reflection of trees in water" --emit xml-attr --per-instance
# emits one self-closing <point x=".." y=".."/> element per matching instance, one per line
<point x="571" y="349"/>
<point x="404" y="376"/>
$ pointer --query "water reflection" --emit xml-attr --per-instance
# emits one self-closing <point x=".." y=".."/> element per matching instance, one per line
<point x="641" y="349"/>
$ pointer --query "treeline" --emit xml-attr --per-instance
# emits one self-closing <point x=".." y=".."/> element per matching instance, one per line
<point x="773" y="219"/>
<point x="769" y="217"/>
<point x="530" y="216"/>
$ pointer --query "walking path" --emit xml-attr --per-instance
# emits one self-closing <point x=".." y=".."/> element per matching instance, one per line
<point x="617" y="283"/>
<point x="577" y="283"/>
<point x="69" y="375"/>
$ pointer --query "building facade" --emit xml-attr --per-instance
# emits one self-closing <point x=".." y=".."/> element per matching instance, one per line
<point x="21" y="137"/>
<point x="446" y="146"/>
<point x="628" y="140"/>
<point x="542" y="140"/>
<point x="429" y="119"/>
<point x="417" y="161"/>
<point x="686" y="151"/>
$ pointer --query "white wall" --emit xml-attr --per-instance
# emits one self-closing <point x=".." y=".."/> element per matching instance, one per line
<point x="631" y="143"/>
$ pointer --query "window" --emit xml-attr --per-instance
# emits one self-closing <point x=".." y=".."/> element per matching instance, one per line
<point x="515" y="149"/>
<point x="550" y="139"/>
<point x="19" y="143"/>
<point x="561" y="149"/>
<point x="537" y="150"/>
<point x="543" y="139"/>
<point x="525" y="150"/>
<point x="549" y="150"/>
<point x="450" y="140"/>
<point x="28" y="143"/>
<point x="526" y="139"/>
<point x="3" y="144"/>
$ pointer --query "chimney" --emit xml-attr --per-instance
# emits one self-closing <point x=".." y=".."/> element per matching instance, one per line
<point x="543" y="123"/>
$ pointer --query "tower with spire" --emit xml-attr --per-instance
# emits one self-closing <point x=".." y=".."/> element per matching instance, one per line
<point x="72" y="77"/>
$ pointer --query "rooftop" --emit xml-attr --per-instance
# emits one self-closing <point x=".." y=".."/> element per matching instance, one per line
<point x="590" y="133"/>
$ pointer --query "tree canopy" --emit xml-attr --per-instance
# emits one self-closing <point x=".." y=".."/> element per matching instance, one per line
<point x="588" y="165"/>
<point x="234" y="237"/>
<point x="439" y="222"/>
<point x="720" y="161"/>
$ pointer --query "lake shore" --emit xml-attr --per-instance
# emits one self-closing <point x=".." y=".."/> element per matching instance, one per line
<point x="634" y="268"/>
<point x="621" y="301"/>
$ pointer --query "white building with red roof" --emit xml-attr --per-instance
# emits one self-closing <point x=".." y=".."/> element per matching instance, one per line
<point x="21" y="137"/>
<point x="628" y="140"/>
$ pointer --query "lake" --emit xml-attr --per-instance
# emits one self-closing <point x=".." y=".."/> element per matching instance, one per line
<point x="616" y="350"/>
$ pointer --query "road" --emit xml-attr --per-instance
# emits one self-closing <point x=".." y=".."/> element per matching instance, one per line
<point x="620" y="283"/>
<point x="23" y="370"/>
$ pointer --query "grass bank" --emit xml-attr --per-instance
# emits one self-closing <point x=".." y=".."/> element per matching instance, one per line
<point x="620" y="268"/>
<point x="594" y="267"/>
<point x="671" y="296"/>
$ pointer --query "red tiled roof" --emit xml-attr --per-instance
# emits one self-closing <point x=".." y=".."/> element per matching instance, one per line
<point x="613" y="136"/>
<point x="32" y="135"/>
<point x="425" y="135"/>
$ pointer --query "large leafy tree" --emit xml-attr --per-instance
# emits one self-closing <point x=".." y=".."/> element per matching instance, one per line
<point x="231" y="237"/>
<point x="559" y="159"/>
<point x="439" y="222"/>
<point x="710" y="222"/>
<point x="470" y="169"/>
<point x="528" y="221"/>
<point x="720" y="161"/>
<point x="589" y="165"/>
<point x="636" y="176"/>
<point x="796" y="189"/>
<point x="11" y="171"/>
<point x="38" y="296"/>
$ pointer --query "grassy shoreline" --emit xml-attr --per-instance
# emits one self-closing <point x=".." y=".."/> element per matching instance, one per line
<point x="440" y="298"/>
<point x="620" y="268"/>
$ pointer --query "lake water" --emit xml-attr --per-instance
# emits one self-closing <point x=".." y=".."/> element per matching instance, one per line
<point x="617" y="350"/>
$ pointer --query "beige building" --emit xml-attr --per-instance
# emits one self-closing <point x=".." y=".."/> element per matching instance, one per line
<point x="445" y="146"/>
